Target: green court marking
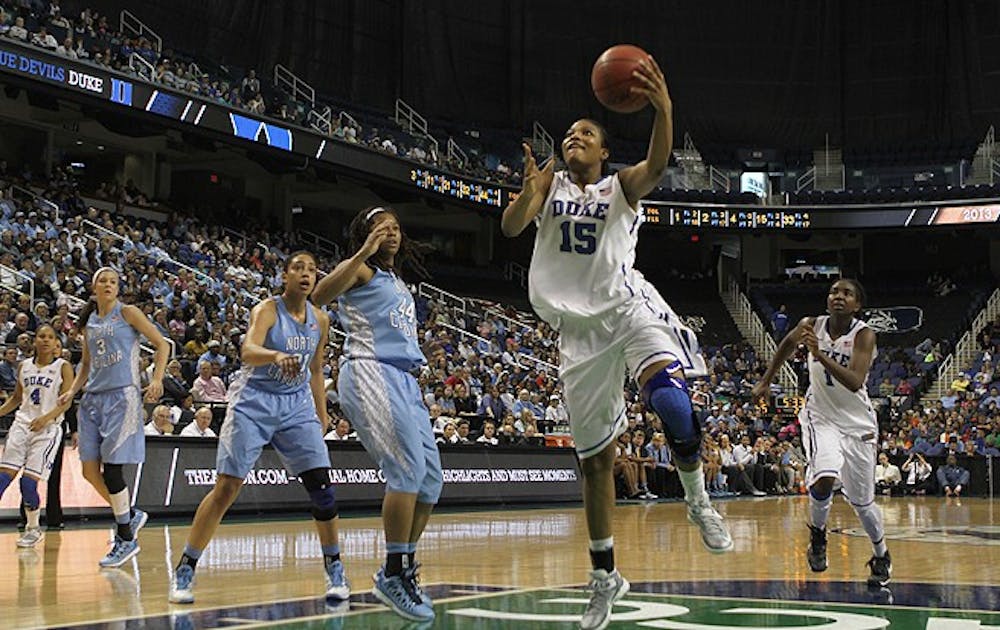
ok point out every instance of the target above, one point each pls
(541, 609)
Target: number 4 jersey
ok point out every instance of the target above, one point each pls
(40, 387)
(827, 399)
(381, 323)
(584, 251)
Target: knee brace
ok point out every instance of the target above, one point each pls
(668, 397)
(29, 493)
(114, 478)
(318, 484)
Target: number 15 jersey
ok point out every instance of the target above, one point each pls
(827, 399)
(584, 251)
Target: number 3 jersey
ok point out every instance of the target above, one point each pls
(584, 251)
(381, 323)
(827, 399)
(40, 387)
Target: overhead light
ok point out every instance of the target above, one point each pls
(100, 147)
(79, 142)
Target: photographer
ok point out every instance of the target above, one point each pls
(918, 474)
(952, 478)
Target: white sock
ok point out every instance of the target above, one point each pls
(694, 485)
(871, 519)
(121, 506)
(602, 544)
(32, 516)
(819, 510)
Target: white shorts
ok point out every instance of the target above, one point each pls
(594, 354)
(847, 456)
(33, 451)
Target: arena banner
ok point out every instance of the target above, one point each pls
(179, 472)
(894, 319)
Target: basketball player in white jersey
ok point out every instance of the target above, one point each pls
(581, 281)
(839, 426)
(33, 440)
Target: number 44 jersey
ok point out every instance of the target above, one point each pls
(584, 251)
(380, 320)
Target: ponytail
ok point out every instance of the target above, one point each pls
(85, 312)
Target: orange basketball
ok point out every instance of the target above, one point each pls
(612, 77)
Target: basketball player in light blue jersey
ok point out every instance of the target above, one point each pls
(110, 414)
(277, 398)
(839, 424)
(381, 398)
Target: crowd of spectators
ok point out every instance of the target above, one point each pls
(82, 34)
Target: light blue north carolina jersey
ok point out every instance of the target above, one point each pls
(290, 336)
(381, 323)
(114, 352)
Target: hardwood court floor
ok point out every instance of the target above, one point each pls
(933, 541)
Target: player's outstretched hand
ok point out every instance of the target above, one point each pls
(154, 391)
(655, 85)
(65, 398)
(533, 178)
(288, 364)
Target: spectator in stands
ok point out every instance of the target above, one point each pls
(341, 432)
(886, 388)
(449, 436)
(66, 49)
(887, 476)
(961, 383)
(488, 437)
(523, 403)
(736, 475)
(465, 405)
(208, 388)
(21, 321)
(212, 353)
(18, 31)
(531, 438)
(200, 427)
(8, 370)
(624, 469)
(952, 478)
(904, 388)
(44, 39)
(463, 432)
(175, 388)
(446, 400)
(918, 474)
(25, 346)
(949, 399)
(250, 86)
(779, 323)
(555, 413)
(160, 423)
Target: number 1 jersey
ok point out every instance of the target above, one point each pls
(827, 398)
(584, 251)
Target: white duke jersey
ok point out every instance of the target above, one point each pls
(40, 389)
(827, 398)
(584, 250)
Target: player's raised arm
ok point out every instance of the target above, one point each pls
(534, 188)
(639, 180)
(784, 352)
(349, 273)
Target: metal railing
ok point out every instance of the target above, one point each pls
(413, 123)
(142, 67)
(514, 271)
(542, 142)
(298, 88)
(322, 243)
(161, 256)
(753, 329)
(965, 350)
(806, 180)
(717, 179)
(16, 287)
(129, 23)
(431, 292)
(456, 153)
(27, 196)
(321, 120)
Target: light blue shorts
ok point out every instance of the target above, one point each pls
(385, 407)
(110, 425)
(256, 418)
